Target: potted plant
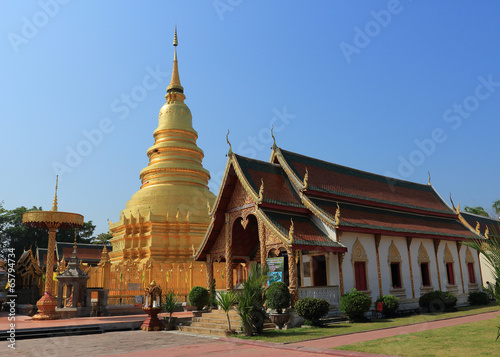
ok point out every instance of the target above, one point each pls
(198, 297)
(278, 298)
(169, 307)
(226, 300)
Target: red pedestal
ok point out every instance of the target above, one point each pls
(46, 308)
(152, 323)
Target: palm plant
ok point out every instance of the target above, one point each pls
(490, 249)
(251, 301)
(170, 304)
(226, 300)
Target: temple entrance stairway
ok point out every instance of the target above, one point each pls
(215, 323)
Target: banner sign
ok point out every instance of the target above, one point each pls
(275, 266)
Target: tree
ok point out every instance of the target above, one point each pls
(496, 207)
(477, 210)
(102, 238)
(14, 234)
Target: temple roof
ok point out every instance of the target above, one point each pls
(277, 188)
(359, 218)
(87, 253)
(306, 235)
(334, 181)
(322, 197)
(492, 224)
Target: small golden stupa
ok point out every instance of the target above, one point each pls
(168, 215)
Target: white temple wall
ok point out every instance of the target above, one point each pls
(333, 269)
(385, 267)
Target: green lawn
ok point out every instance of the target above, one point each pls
(308, 333)
(472, 339)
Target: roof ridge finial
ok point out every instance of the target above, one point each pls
(429, 183)
(230, 152)
(54, 204)
(175, 90)
(274, 139)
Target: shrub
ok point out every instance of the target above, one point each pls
(278, 296)
(478, 298)
(438, 301)
(355, 304)
(391, 304)
(199, 297)
(312, 309)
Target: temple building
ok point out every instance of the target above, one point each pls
(167, 218)
(488, 228)
(338, 228)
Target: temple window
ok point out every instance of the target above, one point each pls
(396, 275)
(469, 260)
(449, 262)
(424, 261)
(424, 272)
(359, 260)
(450, 274)
(319, 270)
(360, 274)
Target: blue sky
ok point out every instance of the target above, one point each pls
(392, 87)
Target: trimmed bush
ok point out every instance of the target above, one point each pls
(199, 297)
(278, 296)
(438, 301)
(391, 304)
(355, 304)
(312, 309)
(478, 298)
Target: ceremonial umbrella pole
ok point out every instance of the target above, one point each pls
(51, 220)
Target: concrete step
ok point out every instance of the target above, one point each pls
(218, 326)
(216, 320)
(202, 330)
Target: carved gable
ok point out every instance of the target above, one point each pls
(423, 257)
(448, 257)
(394, 256)
(358, 252)
(469, 258)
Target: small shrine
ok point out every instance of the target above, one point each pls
(73, 285)
(152, 305)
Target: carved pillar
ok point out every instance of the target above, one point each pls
(210, 272)
(229, 255)
(341, 274)
(105, 268)
(459, 245)
(408, 244)
(480, 270)
(49, 268)
(262, 241)
(378, 237)
(436, 247)
(293, 279)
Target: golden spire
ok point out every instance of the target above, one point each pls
(54, 204)
(175, 82)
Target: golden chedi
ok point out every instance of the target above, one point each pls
(168, 216)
